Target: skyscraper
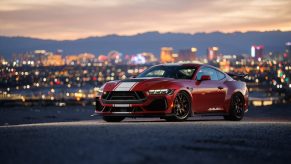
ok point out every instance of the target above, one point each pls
(257, 51)
(212, 53)
(187, 54)
(288, 51)
(167, 55)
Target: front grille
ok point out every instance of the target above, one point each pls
(123, 95)
(122, 109)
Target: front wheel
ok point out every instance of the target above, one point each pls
(236, 111)
(113, 118)
(181, 107)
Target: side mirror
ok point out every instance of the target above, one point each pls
(205, 77)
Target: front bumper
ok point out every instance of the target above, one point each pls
(152, 105)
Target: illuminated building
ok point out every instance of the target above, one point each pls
(71, 60)
(3, 61)
(53, 60)
(224, 65)
(102, 58)
(176, 57)
(167, 55)
(138, 59)
(212, 53)
(141, 58)
(86, 58)
(81, 59)
(288, 51)
(257, 51)
(114, 57)
(149, 57)
(40, 55)
(187, 54)
(30, 58)
(40, 51)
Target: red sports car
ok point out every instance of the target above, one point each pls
(174, 92)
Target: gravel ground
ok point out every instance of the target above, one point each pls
(70, 135)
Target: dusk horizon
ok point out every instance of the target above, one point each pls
(152, 41)
(66, 20)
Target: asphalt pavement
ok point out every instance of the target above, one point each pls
(70, 135)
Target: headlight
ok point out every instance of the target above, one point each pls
(100, 90)
(161, 91)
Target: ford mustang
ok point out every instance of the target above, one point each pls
(174, 92)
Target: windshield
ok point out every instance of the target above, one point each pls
(177, 72)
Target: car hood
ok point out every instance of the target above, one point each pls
(139, 84)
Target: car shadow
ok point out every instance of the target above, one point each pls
(137, 120)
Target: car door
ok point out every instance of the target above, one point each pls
(207, 94)
(222, 89)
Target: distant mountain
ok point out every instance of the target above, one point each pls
(229, 43)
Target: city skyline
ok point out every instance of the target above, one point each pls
(229, 43)
(63, 19)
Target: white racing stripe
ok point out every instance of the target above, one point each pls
(125, 86)
(116, 86)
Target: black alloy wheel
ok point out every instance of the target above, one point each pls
(181, 108)
(236, 112)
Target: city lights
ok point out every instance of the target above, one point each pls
(52, 76)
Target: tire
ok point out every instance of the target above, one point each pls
(113, 118)
(236, 111)
(181, 107)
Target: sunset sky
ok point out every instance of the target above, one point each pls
(67, 19)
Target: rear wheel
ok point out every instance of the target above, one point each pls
(181, 108)
(236, 112)
(113, 118)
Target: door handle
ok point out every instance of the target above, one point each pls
(220, 87)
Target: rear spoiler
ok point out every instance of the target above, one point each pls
(238, 75)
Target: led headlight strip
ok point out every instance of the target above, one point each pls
(161, 91)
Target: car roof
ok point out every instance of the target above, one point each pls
(198, 64)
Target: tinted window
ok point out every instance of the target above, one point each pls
(185, 73)
(220, 75)
(177, 72)
(156, 73)
(207, 71)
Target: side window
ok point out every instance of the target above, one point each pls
(156, 73)
(185, 73)
(220, 75)
(207, 71)
(200, 73)
(212, 73)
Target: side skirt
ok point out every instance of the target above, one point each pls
(210, 114)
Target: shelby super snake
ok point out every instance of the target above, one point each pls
(174, 92)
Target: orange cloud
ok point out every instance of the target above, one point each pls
(64, 19)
